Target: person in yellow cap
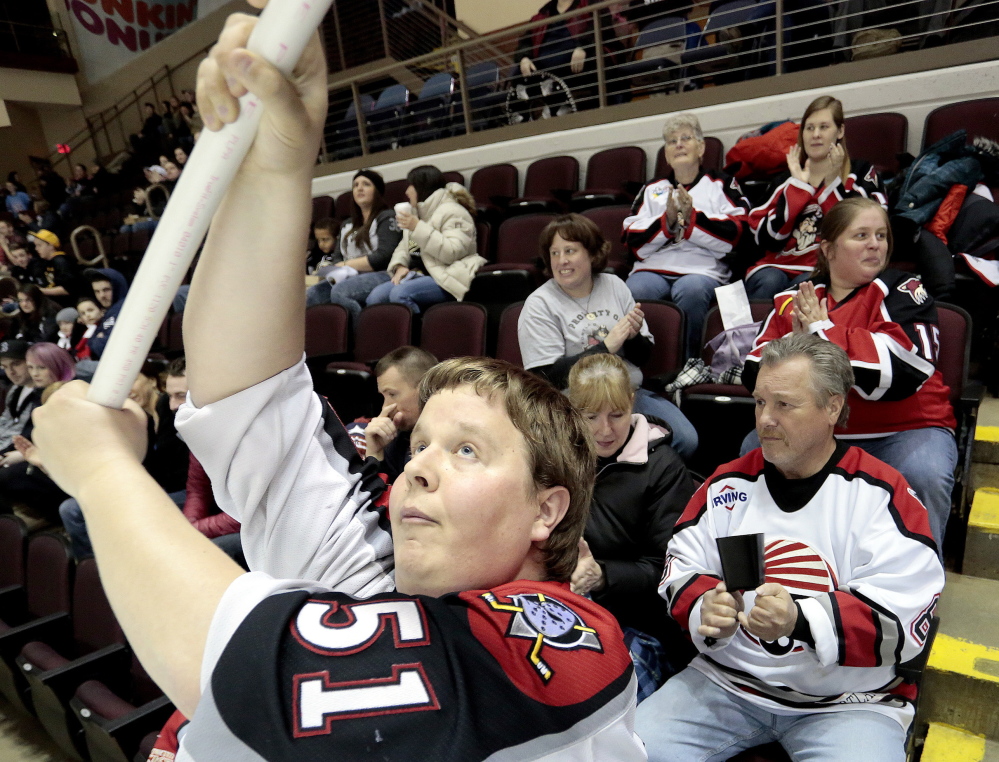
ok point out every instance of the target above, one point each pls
(56, 272)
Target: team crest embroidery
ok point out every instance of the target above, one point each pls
(547, 622)
(914, 288)
(871, 176)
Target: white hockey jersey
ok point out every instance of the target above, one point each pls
(853, 547)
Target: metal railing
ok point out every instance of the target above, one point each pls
(627, 58)
(108, 130)
(28, 39)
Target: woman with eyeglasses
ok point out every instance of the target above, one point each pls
(683, 227)
(820, 175)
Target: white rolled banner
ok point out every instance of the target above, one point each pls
(280, 36)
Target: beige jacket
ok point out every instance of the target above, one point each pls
(445, 237)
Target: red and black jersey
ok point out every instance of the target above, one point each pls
(889, 330)
(525, 671)
(786, 227)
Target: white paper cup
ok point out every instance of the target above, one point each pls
(403, 207)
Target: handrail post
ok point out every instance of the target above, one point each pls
(121, 127)
(156, 96)
(466, 101)
(779, 28)
(169, 78)
(384, 23)
(598, 52)
(362, 126)
(339, 37)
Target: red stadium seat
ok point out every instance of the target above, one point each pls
(667, 324)
(454, 177)
(507, 343)
(38, 610)
(395, 192)
(549, 185)
(613, 176)
(978, 117)
(342, 206)
(517, 242)
(325, 330)
(322, 207)
(493, 187)
(878, 138)
(454, 329)
(610, 220)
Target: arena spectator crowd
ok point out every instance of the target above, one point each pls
(534, 535)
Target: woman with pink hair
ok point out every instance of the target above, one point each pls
(48, 363)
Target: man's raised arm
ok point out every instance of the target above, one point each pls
(243, 321)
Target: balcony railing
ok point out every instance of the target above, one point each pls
(476, 84)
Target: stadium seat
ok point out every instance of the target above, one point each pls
(429, 116)
(395, 192)
(714, 158)
(350, 386)
(517, 244)
(325, 331)
(95, 650)
(718, 58)
(507, 343)
(342, 206)
(386, 119)
(13, 542)
(667, 324)
(493, 188)
(485, 96)
(346, 138)
(978, 117)
(657, 53)
(610, 220)
(37, 611)
(454, 177)
(322, 207)
(759, 308)
(879, 139)
(483, 239)
(115, 720)
(953, 362)
(613, 176)
(549, 185)
(454, 329)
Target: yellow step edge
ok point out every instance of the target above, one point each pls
(973, 660)
(945, 743)
(985, 510)
(987, 433)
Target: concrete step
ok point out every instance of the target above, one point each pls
(981, 544)
(945, 743)
(986, 446)
(961, 683)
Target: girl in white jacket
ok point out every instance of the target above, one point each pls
(435, 261)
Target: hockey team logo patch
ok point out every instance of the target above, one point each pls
(547, 622)
(914, 288)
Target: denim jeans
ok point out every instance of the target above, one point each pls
(149, 225)
(925, 457)
(684, 433)
(690, 719)
(416, 293)
(691, 293)
(767, 282)
(351, 294)
(72, 519)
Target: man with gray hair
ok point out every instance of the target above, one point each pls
(811, 657)
(683, 227)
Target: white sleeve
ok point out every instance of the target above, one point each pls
(282, 464)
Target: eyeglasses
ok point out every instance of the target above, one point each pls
(681, 139)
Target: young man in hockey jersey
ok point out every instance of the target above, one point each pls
(442, 629)
(808, 658)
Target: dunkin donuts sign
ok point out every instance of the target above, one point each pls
(111, 32)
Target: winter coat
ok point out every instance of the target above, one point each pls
(445, 240)
(637, 499)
